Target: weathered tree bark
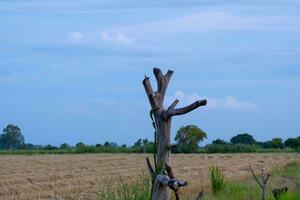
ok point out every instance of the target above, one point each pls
(263, 184)
(163, 177)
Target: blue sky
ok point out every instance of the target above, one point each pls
(71, 71)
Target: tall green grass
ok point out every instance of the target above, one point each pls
(249, 190)
(216, 179)
(291, 196)
(140, 189)
(121, 189)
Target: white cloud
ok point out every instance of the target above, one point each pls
(118, 38)
(75, 37)
(231, 103)
(228, 102)
(186, 99)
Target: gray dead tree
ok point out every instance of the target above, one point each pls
(263, 184)
(162, 176)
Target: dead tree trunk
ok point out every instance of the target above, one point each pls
(163, 178)
(263, 184)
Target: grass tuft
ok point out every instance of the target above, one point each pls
(216, 179)
(139, 189)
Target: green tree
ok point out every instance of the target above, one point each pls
(12, 138)
(65, 146)
(145, 142)
(110, 144)
(50, 147)
(107, 144)
(244, 138)
(277, 143)
(292, 142)
(219, 141)
(138, 143)
(193, 135)
(80, 145)
(99, 145)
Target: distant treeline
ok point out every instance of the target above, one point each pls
(12, 141)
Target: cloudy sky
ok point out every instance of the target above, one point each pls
(71, 71)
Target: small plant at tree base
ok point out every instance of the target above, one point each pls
(216, 179)
(279, 192)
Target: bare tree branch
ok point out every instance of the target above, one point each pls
(180, 140)
(268, 175)
(151, 171)
(167, 78)
(173, 105)
(255, 177)
(149, 92)
(169, 171)
(169, 75)
(264, 183)
(184, 110)
(159, 78)
(162, 82)
(171, 175)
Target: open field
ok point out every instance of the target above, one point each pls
(82, 176)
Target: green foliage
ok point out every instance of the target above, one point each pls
(237, 191)
(266, 144)
(277, 143)
(140, 189)
(230, 148)
(246, 189)
(38, 151)
(243, 139)
(80, 145)
(65, 146)
(291, 171)
(49, 147)
(291, 196)
(293, 143)
(99, 145)
(138, 143)
(219, 141)
(193, 135)
(102, 149)
(143, 146)
(11, 138)
(216, 179)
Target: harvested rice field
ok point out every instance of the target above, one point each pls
(81, 176)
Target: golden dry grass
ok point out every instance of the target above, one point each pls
(81, 176)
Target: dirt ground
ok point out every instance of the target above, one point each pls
(81, 176)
